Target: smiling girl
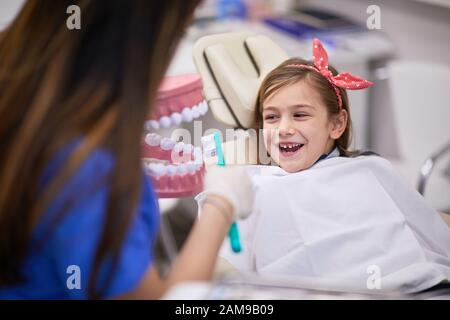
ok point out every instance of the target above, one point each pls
(325, 212)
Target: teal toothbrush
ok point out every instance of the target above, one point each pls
(212, 146)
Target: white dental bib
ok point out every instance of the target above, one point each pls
(347, 220)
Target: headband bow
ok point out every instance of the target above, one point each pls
(343, 80)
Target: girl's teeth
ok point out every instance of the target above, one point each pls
(186, 114)
(167, 144)
(176, 118)
(164, 122)
(152, 139)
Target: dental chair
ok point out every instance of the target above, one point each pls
(426, 171)
(420, 106)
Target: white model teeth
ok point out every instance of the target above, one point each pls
(165, 122)
(179, 146)
(157, 169)
(151, 125)
(167, 144)
(198, 155)
(171, 169)
(188, 148)
(195, 112)
(161, 169)
(176, 118)
(191, 167)
(152, 139)
(203, 108)
(182, 169)
(186, 114)
(198, 165)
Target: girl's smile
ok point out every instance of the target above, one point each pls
(288, 149)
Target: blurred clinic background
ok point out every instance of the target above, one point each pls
(401, 45)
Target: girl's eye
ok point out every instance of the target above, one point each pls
(300, 115)
(270, 117)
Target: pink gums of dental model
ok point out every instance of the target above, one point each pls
(175, 173)
(176, 93)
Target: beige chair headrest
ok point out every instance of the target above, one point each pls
(232, 66)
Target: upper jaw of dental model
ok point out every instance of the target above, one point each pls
(176, 169)
(179, 99)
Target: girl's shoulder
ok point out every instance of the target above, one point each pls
(361, 159)
(373, 161)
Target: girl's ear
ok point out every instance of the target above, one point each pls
(339, 123)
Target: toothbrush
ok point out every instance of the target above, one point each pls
(212, 146)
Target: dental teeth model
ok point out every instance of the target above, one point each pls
(176, 168)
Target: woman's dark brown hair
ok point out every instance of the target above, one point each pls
(286, 74)
(98, 84)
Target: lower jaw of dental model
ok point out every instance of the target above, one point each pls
(176, 168)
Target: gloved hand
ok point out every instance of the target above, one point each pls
(232, 183)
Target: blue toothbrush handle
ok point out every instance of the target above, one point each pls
(233, 234)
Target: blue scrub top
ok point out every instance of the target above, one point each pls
(60, 268)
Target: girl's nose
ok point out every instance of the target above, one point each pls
(286, 127)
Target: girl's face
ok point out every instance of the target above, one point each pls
(297, 128)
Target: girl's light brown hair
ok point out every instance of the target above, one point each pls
(96, 84)
(287, 73)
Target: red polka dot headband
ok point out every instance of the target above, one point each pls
(343, 80)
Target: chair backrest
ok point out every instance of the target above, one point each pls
(420, 94)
